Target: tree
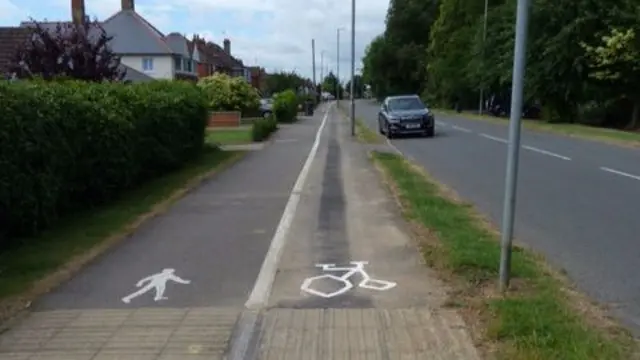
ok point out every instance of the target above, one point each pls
(615, 62)
(226, 93)
(330, 83)
(358, 86)
(78, 51)
(282, 81)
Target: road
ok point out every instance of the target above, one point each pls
(577, 199)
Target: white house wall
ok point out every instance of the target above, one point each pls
(162, 65)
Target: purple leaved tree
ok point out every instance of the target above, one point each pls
(74, 51)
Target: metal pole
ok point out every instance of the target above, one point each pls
(353, 67)
(338, 68)
(313, 60)
(519, 62)
(484, 40)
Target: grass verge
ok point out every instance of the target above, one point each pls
(224, 136)
(539, 318)
(52, 257)
(611, 136)
(363, 132)
(366, 135)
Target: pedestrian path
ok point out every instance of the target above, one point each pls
(174, 289)
(350, 283)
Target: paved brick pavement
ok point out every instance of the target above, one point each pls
(137, 334)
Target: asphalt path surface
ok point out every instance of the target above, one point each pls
(577, 199)
(215, 238)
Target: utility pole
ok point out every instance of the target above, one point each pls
(313, 65)
(321, 72)
(313, 59)
(519, 62)
(484, 41)
(353, 67)
(338, 67)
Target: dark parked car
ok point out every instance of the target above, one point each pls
(405, 114)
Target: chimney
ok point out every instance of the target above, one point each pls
(128, 5)
(77, 11)
(227, 46)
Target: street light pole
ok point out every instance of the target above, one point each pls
(353, 67)
(519, 62)
(484, 40)
(338, 65)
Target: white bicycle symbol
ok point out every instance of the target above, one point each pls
(358, 268)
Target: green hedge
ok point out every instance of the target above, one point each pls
(261, 129)
(66, 146)
(285, 106)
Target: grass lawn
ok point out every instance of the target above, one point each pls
(617, 137)
(539, 318)
(46, 260)
(227, 136)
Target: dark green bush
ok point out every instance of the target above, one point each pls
(285, 106)
(261, 129)
(67, 145)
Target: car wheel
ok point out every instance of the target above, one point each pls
(430, 132)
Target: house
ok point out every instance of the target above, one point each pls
(145, 48)
(145, 52)
(258, 78)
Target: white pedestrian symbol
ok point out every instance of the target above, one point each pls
(156, 281)
(357, 268)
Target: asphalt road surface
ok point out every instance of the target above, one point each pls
(216, 237)
(577, 199)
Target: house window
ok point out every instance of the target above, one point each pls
(177, 62)
(189, 66)
(147, 64)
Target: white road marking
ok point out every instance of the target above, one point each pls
(357, 267)
(504, 141)
(262, 287)
(531, 148)
(440, 123)
(157, 282)
(545, 152)
(621, 173)
(460, 129)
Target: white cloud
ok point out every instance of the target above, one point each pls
(9, 11)
(285, 43)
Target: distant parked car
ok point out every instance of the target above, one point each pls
(405, 114)
(266, 107)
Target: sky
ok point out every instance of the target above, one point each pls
(274, 34)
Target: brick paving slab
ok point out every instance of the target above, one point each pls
(137, 334)
(371, 334)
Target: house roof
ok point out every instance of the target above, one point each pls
(132, 34)
(11, 38)
(134, 75)
(178, 44)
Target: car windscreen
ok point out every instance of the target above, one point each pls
(409, 103)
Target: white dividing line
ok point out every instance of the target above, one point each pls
(504, 141)
(262, 287)
(440, 123)
(621, 173)
(460, 129)
(545, 152)
(531, 148)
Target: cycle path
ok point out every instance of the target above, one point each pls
(345, 214)
(214, 239)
